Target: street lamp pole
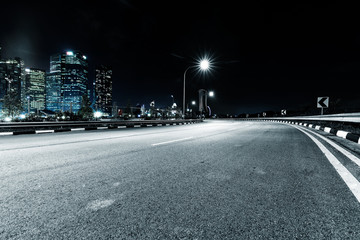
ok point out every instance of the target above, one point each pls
(183, 113)
(204, 65)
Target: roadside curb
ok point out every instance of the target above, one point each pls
(340, 133)
(22, 132)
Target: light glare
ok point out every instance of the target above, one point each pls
(97, 114)
(204, 64)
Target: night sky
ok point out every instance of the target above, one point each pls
(264, 55)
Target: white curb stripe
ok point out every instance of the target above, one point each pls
(44, 131)
(6, 133)
(77, 129)
(327, 129)
(342, 134)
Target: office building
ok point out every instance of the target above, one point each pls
(11, 78)
(67, 81)
(103, 90)
(35, 89)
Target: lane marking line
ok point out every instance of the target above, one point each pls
(352, 183)
(98, 204)
(349, 155)
(172, 141)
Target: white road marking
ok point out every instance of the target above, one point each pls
(352, 183)
(172, 141)
(98, 204)
(352, 157)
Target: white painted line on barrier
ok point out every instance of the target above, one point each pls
(341, 133)
(6, 133)
(352, 183)
(172, 141)
(327, 129)
(102, 128)
(317, 127)
(77, 129)
(44, 131)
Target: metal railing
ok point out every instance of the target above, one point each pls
(30, 127)
(342, 117)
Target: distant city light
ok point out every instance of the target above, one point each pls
(84, 57)
(69, 53)
(211, 94)
(22, 116)
(98, 114)
(27, 70)
(193, 102)
(7, 119)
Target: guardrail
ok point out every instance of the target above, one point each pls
(346, 125)
(38, 127)
(343, 117)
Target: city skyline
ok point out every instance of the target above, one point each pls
(266, 56)
(59, 88)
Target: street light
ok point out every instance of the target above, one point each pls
(204, 65)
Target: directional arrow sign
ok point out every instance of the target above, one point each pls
(283, 112)
(323, 102)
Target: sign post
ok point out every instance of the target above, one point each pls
(322, 102)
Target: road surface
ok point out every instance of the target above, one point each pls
(212, 180)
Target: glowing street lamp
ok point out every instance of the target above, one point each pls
(204, 65)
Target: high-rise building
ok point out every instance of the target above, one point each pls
(54, 101)
(11, 78)
(67, 81)
(35, 88)
(103, 89)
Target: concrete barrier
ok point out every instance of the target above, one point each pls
(47, 127)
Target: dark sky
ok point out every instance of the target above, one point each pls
(266, 55)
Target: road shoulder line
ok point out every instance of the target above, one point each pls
(352, 183)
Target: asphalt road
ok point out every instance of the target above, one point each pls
(213, 180)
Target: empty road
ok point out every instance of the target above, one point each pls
(212, 180)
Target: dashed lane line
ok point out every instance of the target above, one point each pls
(172, 141)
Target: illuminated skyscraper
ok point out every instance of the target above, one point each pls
(103, 89)
(35, 88)
(11, 77)
(67, 81)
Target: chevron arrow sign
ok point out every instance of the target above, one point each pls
(323, 102)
